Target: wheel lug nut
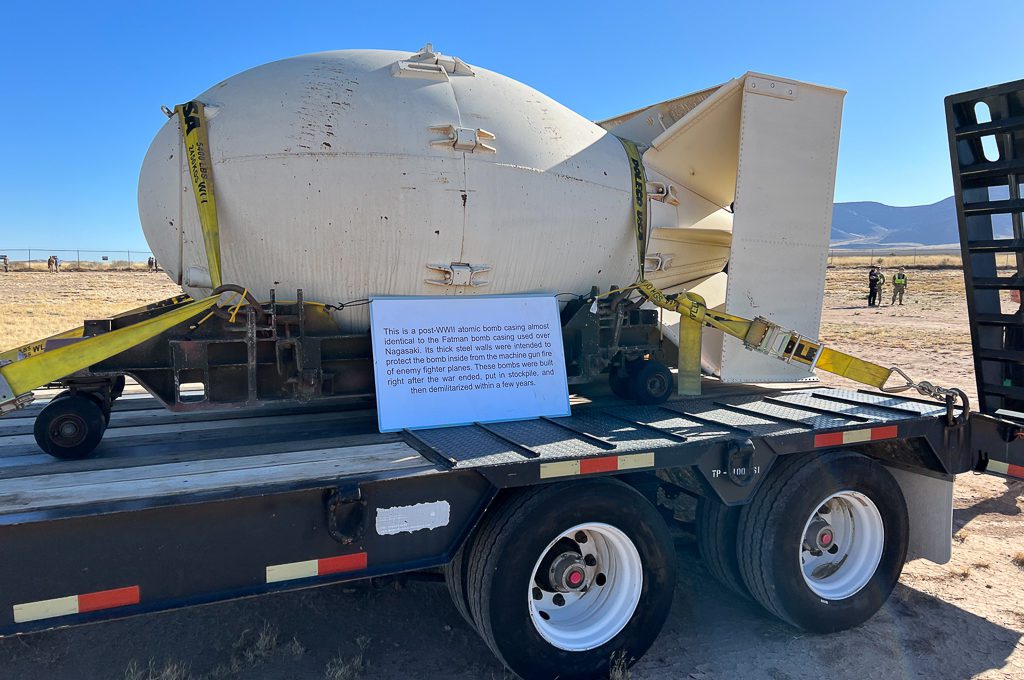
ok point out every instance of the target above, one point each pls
(558, 600)
(589, 560)
(580, 537)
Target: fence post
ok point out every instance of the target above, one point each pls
(29, 259)
(78, 258)
(129, 260)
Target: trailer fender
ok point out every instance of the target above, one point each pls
(930, 508)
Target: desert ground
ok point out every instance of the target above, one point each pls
(960, 620)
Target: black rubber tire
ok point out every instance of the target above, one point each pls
(717, 532)
(455, 577)
(84, 413)
(770, 531)
(512, 539)
(620, 385)
(651, 383)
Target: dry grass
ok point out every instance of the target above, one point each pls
(883, 259)
(170, 670)
(37, 305)
(252, 648)
(961, 573)
(348, 668)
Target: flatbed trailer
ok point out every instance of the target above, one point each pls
(809, 500)
(193, 507)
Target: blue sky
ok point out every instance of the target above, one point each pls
(82, 83)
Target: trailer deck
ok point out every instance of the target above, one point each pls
(152, 457)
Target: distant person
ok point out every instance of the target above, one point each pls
(899, 286)
(149, 263)
(875, 279)
(51, 264)
(56, 264)
(5, 262)
(156, 265)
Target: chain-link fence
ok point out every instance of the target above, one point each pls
(51, 259)
(933, 257)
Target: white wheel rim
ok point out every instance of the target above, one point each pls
(580, 619)
(841, 545)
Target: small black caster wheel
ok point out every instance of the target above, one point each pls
(70, 427)
(651, 382)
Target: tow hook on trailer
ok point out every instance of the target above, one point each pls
(740, 470)
(345, 510)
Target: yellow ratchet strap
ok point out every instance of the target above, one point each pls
(759, 335)
(39, 346)
(21, 377)
(192, 117)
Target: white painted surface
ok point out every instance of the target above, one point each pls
(410, 518)
(331, 176)
(507, 377)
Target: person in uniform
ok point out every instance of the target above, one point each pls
(875, 279)
(51, 264)
(899, 286)
(5, 262)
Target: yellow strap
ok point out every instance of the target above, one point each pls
(639, 191)
(39, 346)
(38, 370)
(200, 169)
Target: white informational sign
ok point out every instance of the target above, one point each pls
(441, 361)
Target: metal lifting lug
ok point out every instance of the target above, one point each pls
(458, 274)
(346, 509)
(463, 139)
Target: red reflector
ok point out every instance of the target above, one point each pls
(334, 565)
(887, 432)
(605, 464)
(829, 439)
(1015, 471)
(105, 599)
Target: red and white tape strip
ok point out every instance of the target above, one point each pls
(855, 436)
(1008, 469)
(76, 604)
(589, 466)
(321, 567)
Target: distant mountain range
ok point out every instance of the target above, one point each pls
(865, 224)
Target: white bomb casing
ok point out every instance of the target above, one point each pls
(359, 173)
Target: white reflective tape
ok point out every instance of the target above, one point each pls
(293, 570)
(45, 609)
(998, 467)
(636, 460)
(854, 436)
(561, 469)
(410, 518)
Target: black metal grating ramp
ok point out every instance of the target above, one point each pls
(986, 146)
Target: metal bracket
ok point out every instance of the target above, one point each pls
(463, 139)
(458, 274)
(345, 514)
(657, 262)
(8, 400)
(431, 65)
(666, 193)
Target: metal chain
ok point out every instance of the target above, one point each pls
(949, 395)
